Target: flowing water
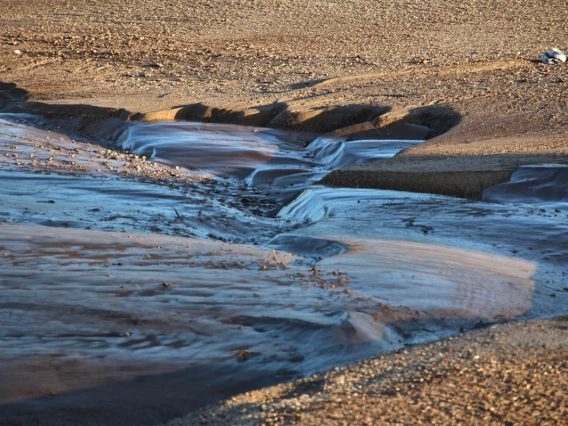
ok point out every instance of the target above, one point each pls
(245, 273)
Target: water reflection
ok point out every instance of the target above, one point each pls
(307, 277)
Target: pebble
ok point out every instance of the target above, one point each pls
(416, 386)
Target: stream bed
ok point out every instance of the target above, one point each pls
(153, 296)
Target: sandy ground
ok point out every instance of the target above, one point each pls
(473, 67)
(469, 71)
(510, 374)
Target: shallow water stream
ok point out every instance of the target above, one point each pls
(245, 274)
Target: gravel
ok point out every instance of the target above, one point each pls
(508, 374)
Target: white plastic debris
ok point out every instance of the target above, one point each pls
(18, 52)
(553, 57)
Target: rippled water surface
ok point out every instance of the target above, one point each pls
(247, 274)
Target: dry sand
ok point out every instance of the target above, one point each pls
(316, 66)
(469, 71)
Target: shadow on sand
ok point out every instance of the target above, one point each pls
(355, 121)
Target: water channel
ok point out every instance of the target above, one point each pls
(242, 271)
